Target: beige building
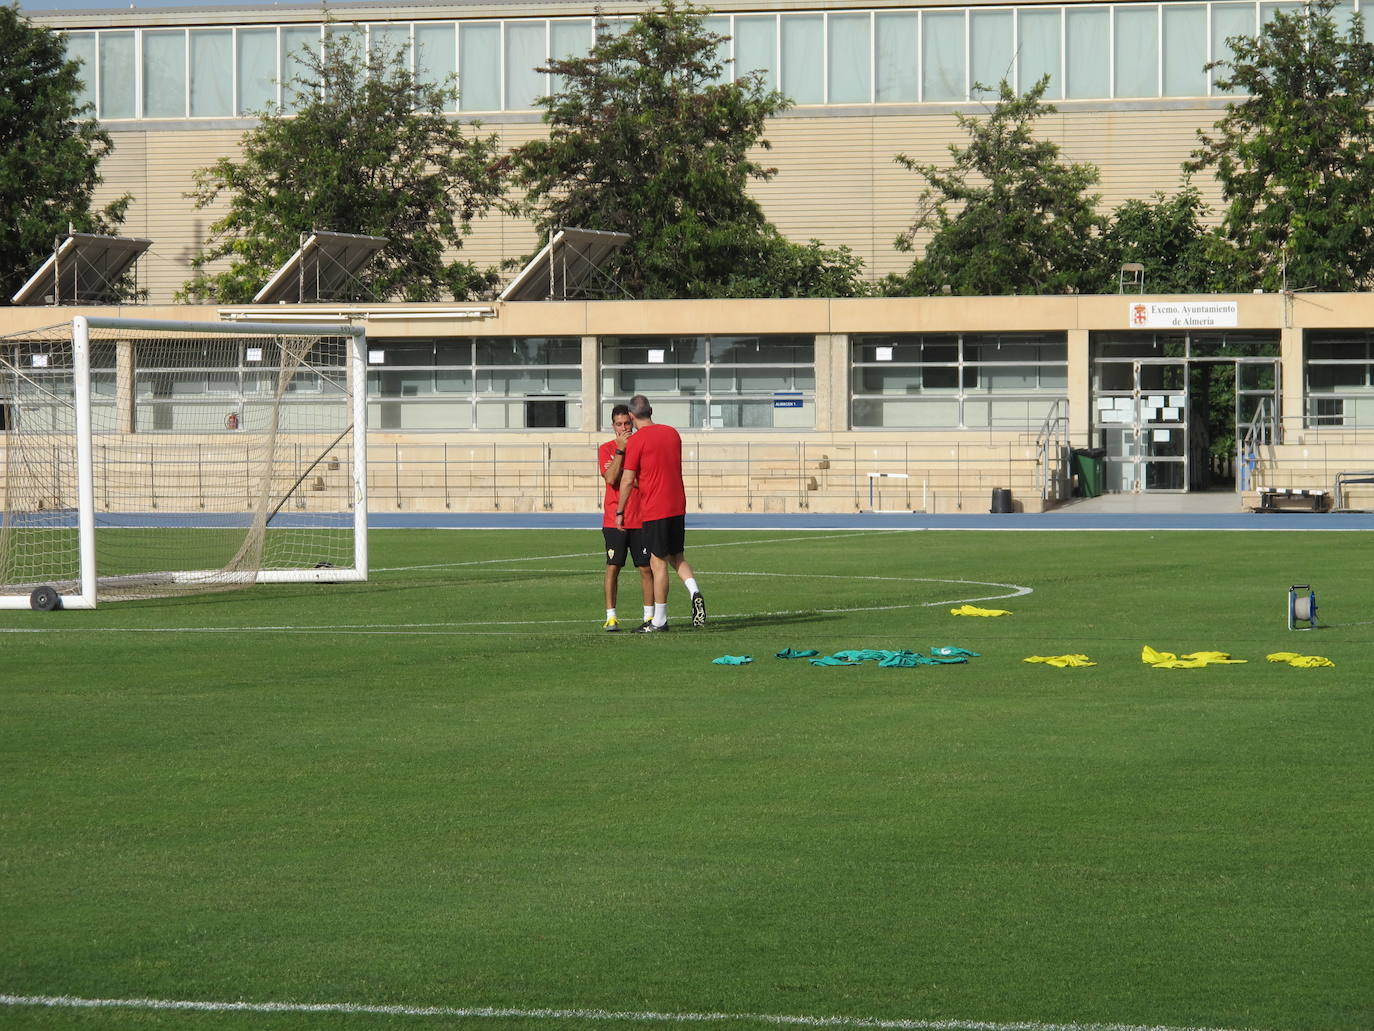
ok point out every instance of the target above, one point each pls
(926, 404)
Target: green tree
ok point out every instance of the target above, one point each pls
(646, 138)
(1170, 237)
(367, 149)
(1008, 217)
(49, 153)
(1295, 157)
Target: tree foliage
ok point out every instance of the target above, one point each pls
(1295, 157)
(367, 150)
(49, 153)
(1008, 216)
(646, 138)
(1171, 238)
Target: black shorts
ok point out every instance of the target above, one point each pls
(665, 537)
(620, 543)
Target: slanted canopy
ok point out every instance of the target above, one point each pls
(82, 270)
(322, 265)
(563, 269)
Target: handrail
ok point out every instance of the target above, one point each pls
(1053, 480)
(1259, 436)
(1343, 479)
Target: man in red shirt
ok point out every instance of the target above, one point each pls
(653, 473)
(624, 539)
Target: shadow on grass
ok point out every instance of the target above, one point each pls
(771, 619)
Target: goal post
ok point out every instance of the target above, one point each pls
(149, 458)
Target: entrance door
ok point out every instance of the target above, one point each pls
(1141, 416)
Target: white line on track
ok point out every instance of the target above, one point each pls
(626, 1016)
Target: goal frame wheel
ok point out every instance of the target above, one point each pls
(45, 599)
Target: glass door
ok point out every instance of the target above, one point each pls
(1161, 424)
(1140, 414)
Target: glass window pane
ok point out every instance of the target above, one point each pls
(609, 28)
(1039, 51)
(1137, 51)
(880, 379)
(651, 351)
(297, 42)
(849, 47)
(763, 350)
(719, 25)
(895, 51)
(116, 75)
(212, 73)
(436, 59)
(525, 51)
(802, 43)
(1088, 33)
(390, 40)
(1229, 20)
(942, 56)
(1345, 15)
(905, 414)
(479, 66)
(352, 35)
(164, 74)
(568, 39)
(756, 48)
(1185, 50)
(257, 64)
(1267, 11)
(990, 47)
(529, 351)
(81, 47)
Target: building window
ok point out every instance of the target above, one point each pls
(490, 383)
(998, 381)
(718, 382)
(934, 55)
(1339, 369)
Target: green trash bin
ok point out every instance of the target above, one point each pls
(1089, 465)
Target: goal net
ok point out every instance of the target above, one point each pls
(152, 459)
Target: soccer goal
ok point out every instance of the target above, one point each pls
(154, 459)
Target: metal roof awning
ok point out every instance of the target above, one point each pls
(83, 269)
(563, 269)
(322, 266)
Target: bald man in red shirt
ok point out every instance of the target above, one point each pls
(653, 467)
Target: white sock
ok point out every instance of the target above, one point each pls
(610, 613)
(691, 584)
(648, 613)
(660, 613)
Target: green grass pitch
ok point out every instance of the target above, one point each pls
(448, 788)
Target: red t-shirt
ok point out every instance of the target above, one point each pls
(605, 455)
(655, 454)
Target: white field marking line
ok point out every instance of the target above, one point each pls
(452, 629)
(405, 629)
(596, 554)
(71, 1002)
(1015, 590)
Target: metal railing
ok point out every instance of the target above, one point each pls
(745, 476)
(1053, 455)
(846, 474)
(1255, 451)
